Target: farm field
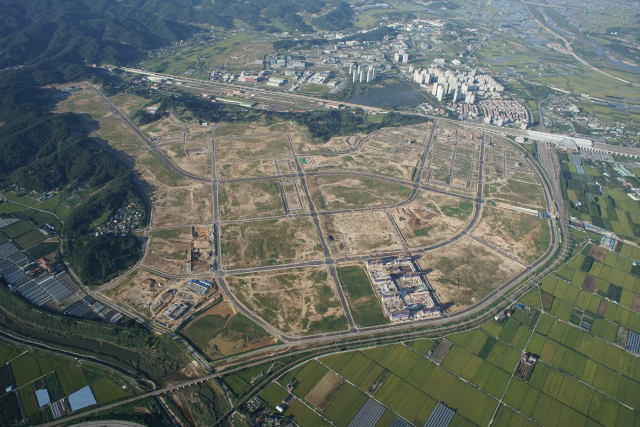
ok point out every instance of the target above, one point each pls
(32, 371)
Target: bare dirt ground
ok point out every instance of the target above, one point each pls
(602, 308)
(465, 271)
(118, 136)
(191, 157)
(128, 103)
(300, 301)
(589, 283)
(431, 218)
(226, 129)
(246, 169)
(138, 291)
(160, 127)
(269, 242)
(335, 192)
(170, 251)
(252, 147)
(515, 192)
(324, 391)
(597, 253)
(334, 145)
(295, 196)
(522, 235)
(635, 306)
(251, 199)
(176, 201)
(359, 233)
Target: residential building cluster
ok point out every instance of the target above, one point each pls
(122, 222)
(456, 85)
(402, 290)
(362, 74)
(500, 112)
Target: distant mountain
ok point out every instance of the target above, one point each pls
(111, 31)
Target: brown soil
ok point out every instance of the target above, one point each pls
(589, 283)
(602, 307)
(294, 301)
(246, 169)
(359, 233)
(513, 232)
(135, 291)
(424, 221)
(324, 391)
(249, 200)
(191, 157)
(269, 242)
(635, 306)
(465, 271)
(597, 253)
(247, 147)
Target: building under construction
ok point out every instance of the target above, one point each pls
(402, 290)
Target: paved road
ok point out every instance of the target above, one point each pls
(108, 423)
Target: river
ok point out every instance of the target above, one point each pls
(598, 49)
(396, 95)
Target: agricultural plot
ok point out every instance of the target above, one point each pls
(299, 301)
(336, 192)
(251, 199)
(269, 242)
(465, 271)
(220, 332)
(359, 233)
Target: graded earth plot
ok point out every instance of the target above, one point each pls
(335, 145)
(516, 192)
(252, 147)
(251, 199)
(523, 235)
(137, 291)
(298, 302)
(167, 301)
(269, 242)
(180, 251)
(86, 101)
(356, 233)
(221, 332)
(431, 218)
(128, 103)
(466, 271)
(338, 192)
(295, 198)
(164, 130)
(235, 129)
(191, 157)
(176, 201)
(117, 135)
(246, 169)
